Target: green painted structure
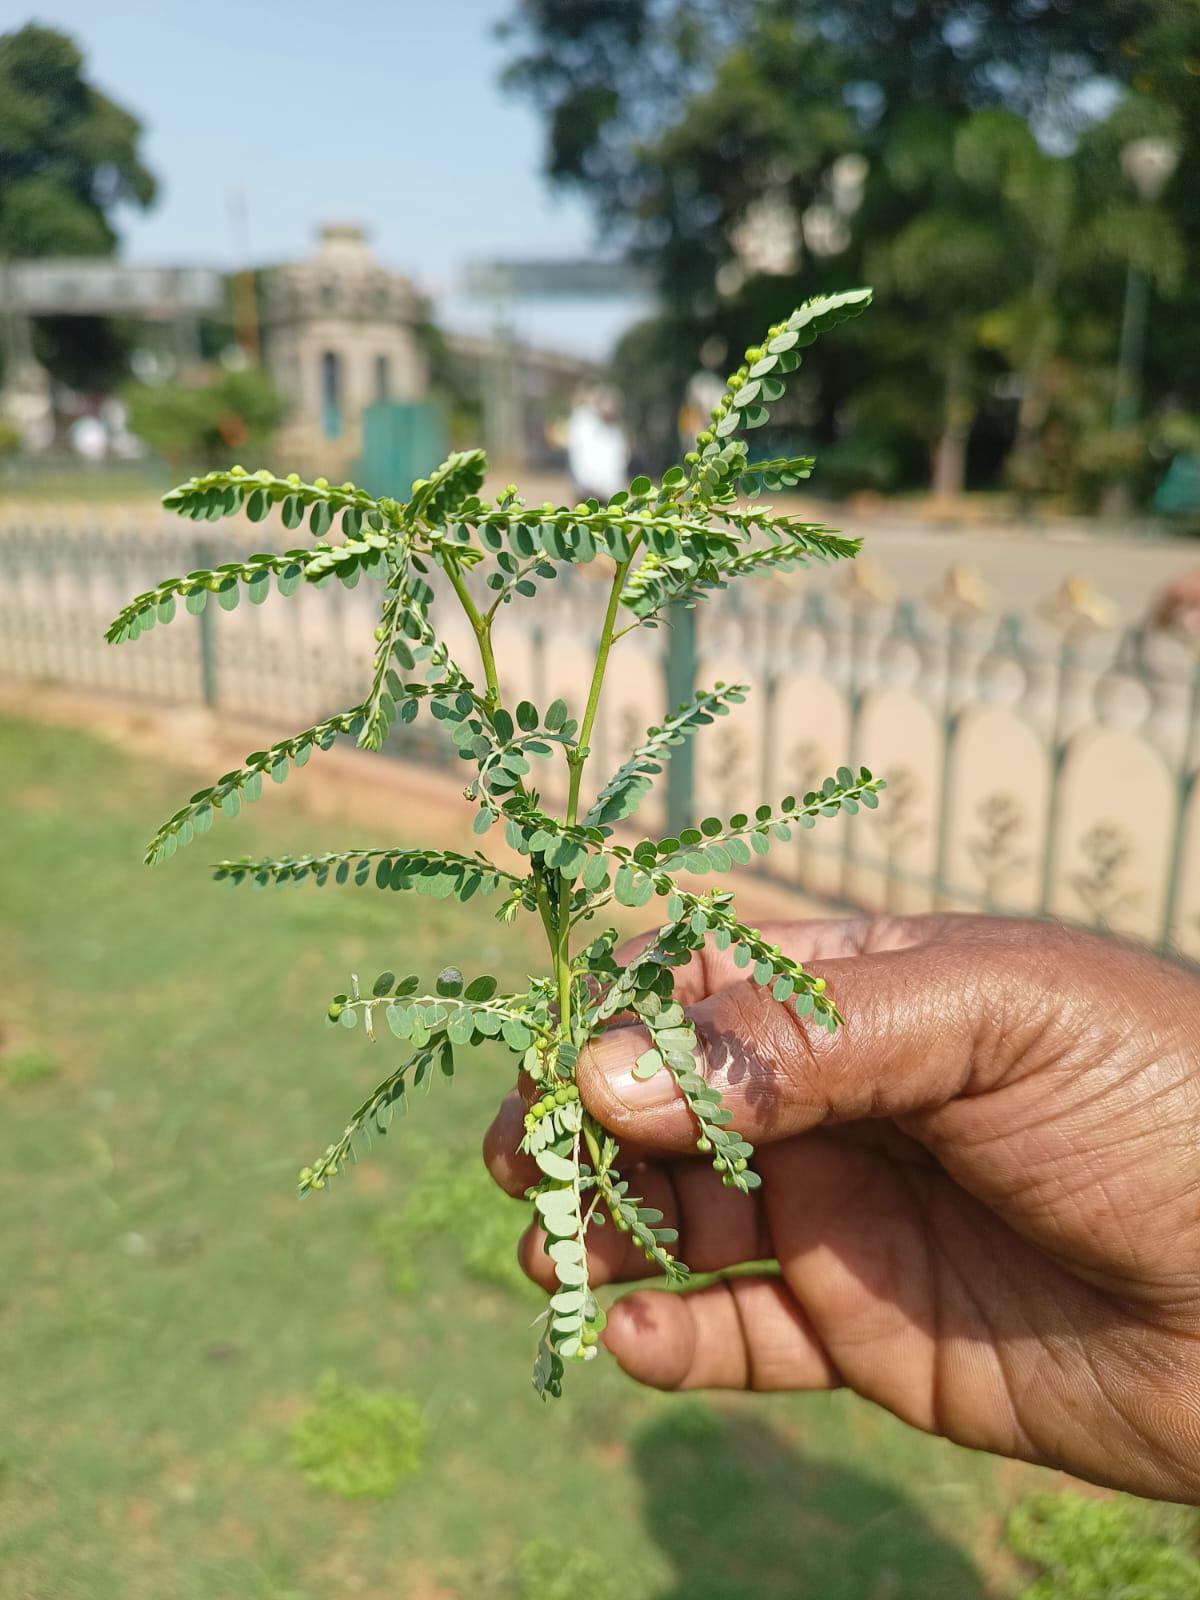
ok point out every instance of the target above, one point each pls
(402, 440)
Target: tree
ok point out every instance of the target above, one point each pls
(199, 424)
(69, 159)
(967, 119)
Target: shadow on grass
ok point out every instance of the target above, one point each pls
(738, 1512)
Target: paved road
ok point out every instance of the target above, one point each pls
(1021, 568)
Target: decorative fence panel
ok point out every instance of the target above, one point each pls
(1042, 764)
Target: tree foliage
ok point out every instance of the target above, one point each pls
(664, 543)
(200, 423)
(69, 159)
(965, 157)
(68, 154)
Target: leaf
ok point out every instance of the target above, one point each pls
(647, 1064)
(556, 715)
(480, 989)
(515, 1034)
(632, 888)
(556, 1166)
(621, 795)
(570, 1272)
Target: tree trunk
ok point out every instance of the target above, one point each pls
(1031, 414)
(950, 452)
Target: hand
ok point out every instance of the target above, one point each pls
(983, 1193)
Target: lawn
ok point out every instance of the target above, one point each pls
(169, 1311)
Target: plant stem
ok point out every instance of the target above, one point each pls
(576, 761)
(555, 920)
(481, 627)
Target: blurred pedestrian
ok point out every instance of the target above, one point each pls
(597, 450)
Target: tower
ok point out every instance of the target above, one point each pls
(340, 333)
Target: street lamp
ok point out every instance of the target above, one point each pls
(1148, 164)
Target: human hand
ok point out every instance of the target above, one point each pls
(982, 1193)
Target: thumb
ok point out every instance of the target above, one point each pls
(915, 1018)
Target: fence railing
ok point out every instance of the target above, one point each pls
(1046, 763)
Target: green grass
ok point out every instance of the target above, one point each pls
(29, 483)
(168, 1308)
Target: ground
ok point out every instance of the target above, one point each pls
(169, 1310)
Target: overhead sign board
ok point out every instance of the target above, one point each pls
(557, 279)
(64, 287)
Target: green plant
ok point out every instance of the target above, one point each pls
(358, 1442)
(550, 1570)
(460, 1205)
(21, 1068)
(1106, 1549)
(668, 544)
(200, 423)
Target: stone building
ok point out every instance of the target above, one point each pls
(339, 332)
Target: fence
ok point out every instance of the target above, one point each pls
(1044, 763)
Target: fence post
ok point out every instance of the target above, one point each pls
(679, 666)
(209, 682)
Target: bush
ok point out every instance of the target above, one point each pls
(358, 1442)
(547, 1570)
(202, 424)
(460, 1203)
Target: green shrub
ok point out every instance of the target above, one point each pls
(547, 1570)
(460, 1203)
(358, 1442)
(202, 423)
(23, 1068)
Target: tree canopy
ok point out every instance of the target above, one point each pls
(69, 158)
(963, 155)
(68, 154)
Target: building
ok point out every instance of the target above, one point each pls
(524, 395)
(339, 333)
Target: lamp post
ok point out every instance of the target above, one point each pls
(1148, 164)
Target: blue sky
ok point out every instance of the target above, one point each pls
(387, 112)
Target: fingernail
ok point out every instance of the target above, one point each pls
(615, 1055)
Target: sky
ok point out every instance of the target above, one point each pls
(384, 112)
